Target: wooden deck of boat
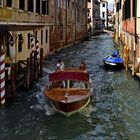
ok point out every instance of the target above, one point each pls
(74, 95)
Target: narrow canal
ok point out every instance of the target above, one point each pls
(113, 114)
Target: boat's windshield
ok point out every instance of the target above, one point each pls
(69, 84)
(77, 84)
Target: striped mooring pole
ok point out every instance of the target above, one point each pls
(2, 76)
(37, 49)
(32, 46)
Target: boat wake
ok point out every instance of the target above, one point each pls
(87, 110)
(46, 70)
(42, 105)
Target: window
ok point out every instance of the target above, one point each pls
(38, 6)
(45, 7)
(118, 5)
(1, 3)
(30, 5)
(9, 3)
(41, 37)
(103, 14)
(29, 40)
(65, 4)
(103, 5)
(46, 36)
(68, 4)
(134, 8)
(127, 9)
(58, 3)
(21, 4)
(20, 42)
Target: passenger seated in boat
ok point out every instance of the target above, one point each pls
(78, 84)
(115, 54)
(60, 65)
(82, 65)
(58, 84)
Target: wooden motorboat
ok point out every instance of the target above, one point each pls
(69, 91)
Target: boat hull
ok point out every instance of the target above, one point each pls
(113, 62)
(70, 108)
(113, 65)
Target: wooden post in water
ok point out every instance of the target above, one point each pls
(41, 61)
(28, 75)
(35, 67)
(13, 81)
(31, 69)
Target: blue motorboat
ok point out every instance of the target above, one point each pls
(113, 60)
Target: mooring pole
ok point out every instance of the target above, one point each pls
(2, 76)
(41, 61)
(13, 81)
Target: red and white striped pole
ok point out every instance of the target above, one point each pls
(32, 47)
(37, 49)
(2, 76)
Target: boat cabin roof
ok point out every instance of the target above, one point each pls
(69, 75)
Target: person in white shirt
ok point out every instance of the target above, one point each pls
(60, 65)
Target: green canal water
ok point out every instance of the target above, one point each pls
(113, 113)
